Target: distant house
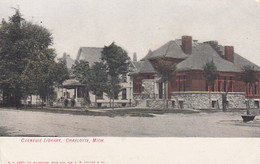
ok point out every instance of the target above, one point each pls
(73, 89)
(188, 88)
(124, 98)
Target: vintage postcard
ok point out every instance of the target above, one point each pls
(110, 81)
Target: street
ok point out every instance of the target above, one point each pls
(218, 124)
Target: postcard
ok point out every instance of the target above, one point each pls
(109, 81)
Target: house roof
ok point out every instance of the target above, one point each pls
(145, 67)
(170, 49)
(203, 53)
(90, 54)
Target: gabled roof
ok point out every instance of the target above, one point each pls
(203, 53)
(90, 54)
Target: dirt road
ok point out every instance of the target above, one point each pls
(219, 124)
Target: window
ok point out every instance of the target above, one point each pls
(160, 90)
(124, 94)
(214, 104)
(123, 104)
(225, 84)
(116, 96)
(99, 105)
(256, 103)
(181, 83)
(148, 77)
(219, 86)
(173, 104)
(124, 78)
(181, 104)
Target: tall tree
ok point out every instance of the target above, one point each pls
(81, 71)
(248, 75)
(26, 60)
(97, 79)
(61, 72)
(210, 74)
(166, 70)
(117, 62)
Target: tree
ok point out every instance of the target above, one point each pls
(210, 74)
(81, 71)
(61, 72)
(248, 75)
(97, 79)
(117, 62)
(166, 70)
(27, 62)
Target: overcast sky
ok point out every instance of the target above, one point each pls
(140, 25)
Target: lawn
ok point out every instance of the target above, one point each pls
(134, 112)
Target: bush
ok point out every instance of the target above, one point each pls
(66, 102)
(73, 102)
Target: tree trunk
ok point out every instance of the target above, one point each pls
(164, 95)
(209, 99)
(96, 101)
(247, 101)
(113, 103)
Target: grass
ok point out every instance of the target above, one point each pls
(110, 113)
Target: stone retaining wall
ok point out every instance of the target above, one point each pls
(213, 100)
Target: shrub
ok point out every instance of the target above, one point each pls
(73, 102)
(66, 102)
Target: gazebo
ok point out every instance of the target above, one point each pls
(77, 87)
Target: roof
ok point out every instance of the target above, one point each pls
(69, 61)
(90, 54)
(170, 49)
(203, 53)
(71, 83)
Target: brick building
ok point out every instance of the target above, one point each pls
(188, 88)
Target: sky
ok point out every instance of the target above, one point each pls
(140, 25)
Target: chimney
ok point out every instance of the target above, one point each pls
(186, 44)
(229, 53)
(134, 57)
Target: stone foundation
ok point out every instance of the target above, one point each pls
(213, 100)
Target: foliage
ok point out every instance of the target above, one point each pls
(166, 70)
(211, 72)
(66, 102)
(73, 102)
(94, 77)
(113, 90)
(61, 72)
(117, 63)
(27, 63)
(248, 75)
(116, 60)
(81, 71)
(97, 78)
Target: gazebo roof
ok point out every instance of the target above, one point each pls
(71, 83)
